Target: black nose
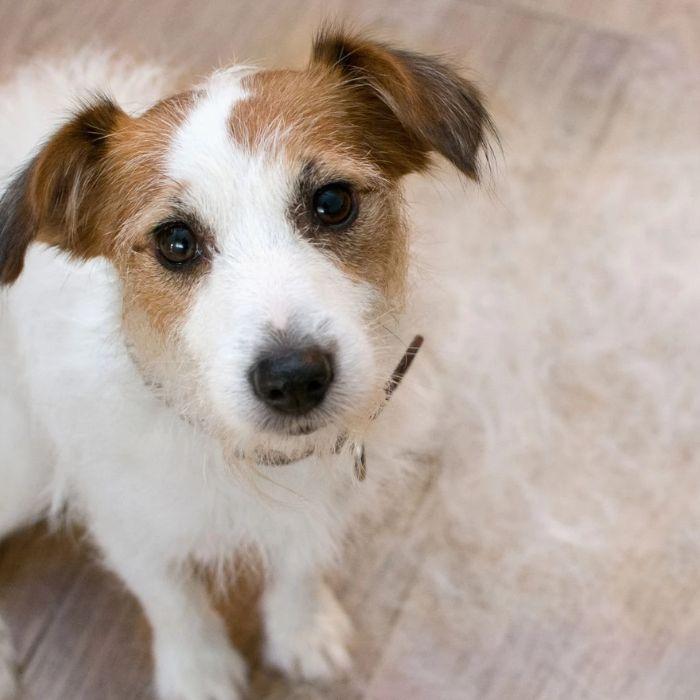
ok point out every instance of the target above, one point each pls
(293, 381)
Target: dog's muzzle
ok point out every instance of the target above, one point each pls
(302, 375)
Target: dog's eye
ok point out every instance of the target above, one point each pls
(177, 244)
(335, 205)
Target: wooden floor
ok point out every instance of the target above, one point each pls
(559, 73)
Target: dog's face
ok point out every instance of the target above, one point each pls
(256, 224)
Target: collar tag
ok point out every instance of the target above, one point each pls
(358, 454)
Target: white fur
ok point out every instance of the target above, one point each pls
(79, 429)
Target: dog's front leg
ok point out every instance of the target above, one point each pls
(307, 631)
(194, 659)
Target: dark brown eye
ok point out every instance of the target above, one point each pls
(335, 205)
(177, 244)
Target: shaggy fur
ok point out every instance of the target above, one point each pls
(125, 399)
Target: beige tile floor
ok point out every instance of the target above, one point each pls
(576, 87)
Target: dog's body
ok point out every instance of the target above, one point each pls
(130, 385)
(156, 492)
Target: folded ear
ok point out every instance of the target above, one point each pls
(55, 198)
(438, 110)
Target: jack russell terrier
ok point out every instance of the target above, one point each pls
(198, 319)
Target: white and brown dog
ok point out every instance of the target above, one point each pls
(196, 326)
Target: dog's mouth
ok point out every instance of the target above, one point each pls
(286, 427)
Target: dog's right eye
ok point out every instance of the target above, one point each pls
(177, 245)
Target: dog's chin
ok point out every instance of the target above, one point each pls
(263, 431)
(270, 424)
(291, 441)
(279, 425)
(298, 430)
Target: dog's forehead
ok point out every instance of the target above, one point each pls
(243, 123)
(203, 142)
(222, 179)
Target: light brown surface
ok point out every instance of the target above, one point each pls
(573, 84)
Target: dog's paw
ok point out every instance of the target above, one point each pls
(314, 648)
(8, 679)
(202, 672)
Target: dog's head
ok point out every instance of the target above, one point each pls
(256, 224)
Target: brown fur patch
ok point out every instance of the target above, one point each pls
(142, 198)
(316, 113)
(52, 199)
(437, 108)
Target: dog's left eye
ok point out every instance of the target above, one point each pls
(177, 244)
(335, 205)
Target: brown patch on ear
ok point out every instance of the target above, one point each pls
(436, 108)
(56, 198)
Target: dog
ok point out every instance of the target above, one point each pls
(198, 319)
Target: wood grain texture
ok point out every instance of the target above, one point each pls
(598, 104)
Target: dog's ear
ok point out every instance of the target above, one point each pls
(55, 198)
(436, 108)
